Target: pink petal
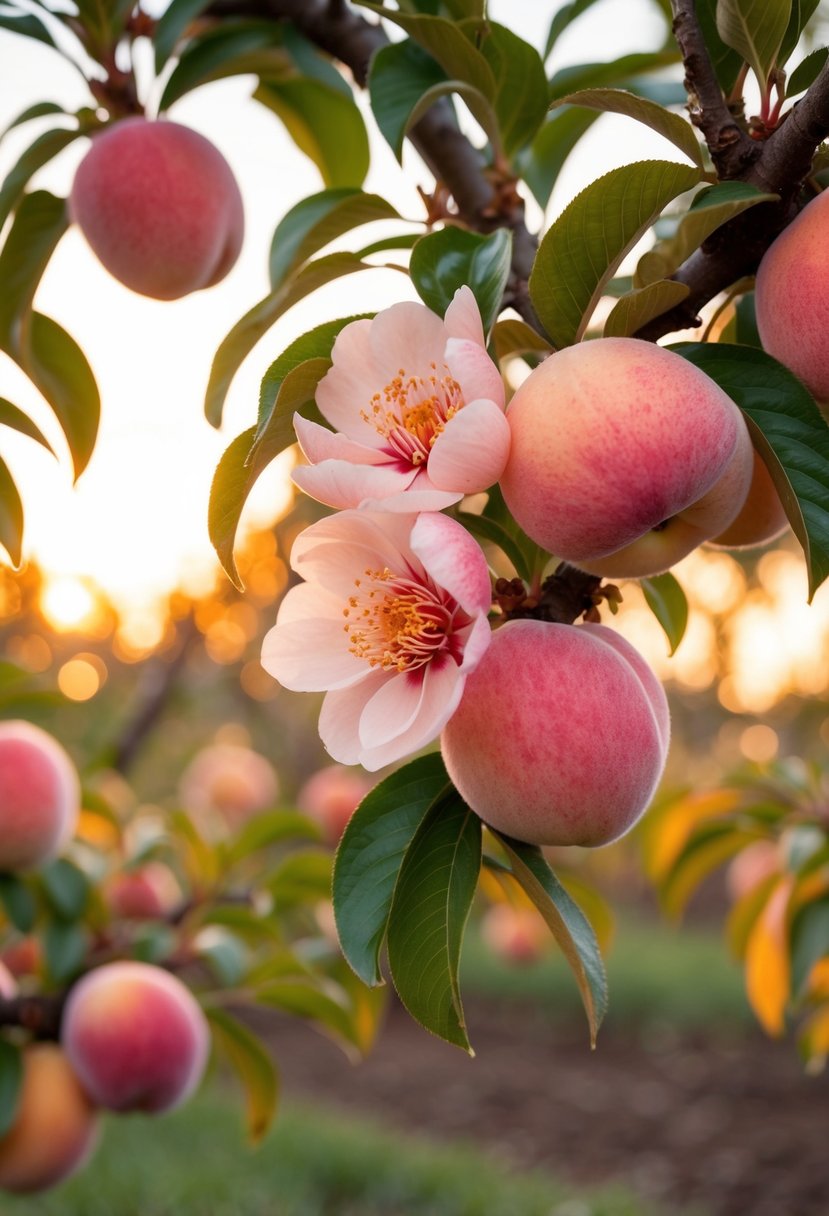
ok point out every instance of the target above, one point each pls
(340, 717)
(318, 443)
(463, 318)
(441, 694)
(471, 452)
(454, 560)
(311, 656)
(309, 602)
(340, 484)
(407, 336)
(476, 644)
(392, 709)
(347, 388)
(413, 501)
(474, 371)
(349, 541)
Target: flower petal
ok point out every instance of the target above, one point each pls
(476, 644)
(470, 454)
(307, 602)
(392, 709)
(408, 336)
(474, 371)
(454, 559)
(340, 717)
(344, 390)
(318, 443)
(440, 697)
(412, 500)
(311, 656)
(463, 317)
(341, 484)
(339, 546)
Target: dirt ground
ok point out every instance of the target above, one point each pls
(733, 1127)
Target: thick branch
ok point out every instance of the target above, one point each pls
(39, 1014)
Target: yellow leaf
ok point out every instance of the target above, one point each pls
(671, 832)
(768, 968)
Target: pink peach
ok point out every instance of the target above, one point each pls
(516, 935)
(331, 796)
(231, 781)
(144, 894)
(762, 517)
(624, 457)
(561, 735)
(55, 1128)
(136, 1037)
(39, 796)
(159, 206)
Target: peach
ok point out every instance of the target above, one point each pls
(752, 865)
(624, 457)
(39, 796)
(791, 298)
(762, 517)
(55, 1129)
(144, 894)
(561, 735)
(22, 956)
(331, 796)
(136, 1037)
(159, 206)
(231, 781)
(516, 935)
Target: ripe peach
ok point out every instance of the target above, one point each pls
(624, 457)
(516, 935)
(561, 734)
(231, 781)
(136, 1037)
(331, 796)
(159, 206)
(792, 301)
(144, 894)
(23, 956)
(56, 1126)
(761, 518)
(39, 796)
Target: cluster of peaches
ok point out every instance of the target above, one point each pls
(128, 1036)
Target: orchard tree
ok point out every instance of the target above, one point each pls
(454, 580)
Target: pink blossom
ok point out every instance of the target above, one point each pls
(418, 410)
(391, 620)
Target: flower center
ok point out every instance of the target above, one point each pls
(411, 411)
(395, 623)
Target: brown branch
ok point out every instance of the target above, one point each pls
(39, 1014)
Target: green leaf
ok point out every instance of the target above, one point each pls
(224, 954)
(229, 490)
(11, 517)
(256, 323)
(370, 854)
(11, 1079)
(315, 345)
(172, 25)
(619, 101)
(18, 902)
(520, 85)
(316, 221)
(45, 148)
(429, 912)
(594, 75)
(451, 258)
(447, 44)
(27, 24)
(635, 309)
(585, 245)
(39, 224)
(252, 1064)
(486, 529)
(541, 163)
(710, 846)
(810, 942)
(319, 1000)
(807, 72)
(710, 209)
(789, 432)
(667, 602)
(67, 888)
(565, 15)
(533, 557)
(724, 60)
(399, 76)
(324, 124)
(755, 29)
(231, 49)
(267, 829)
(11, 416)
(302, 878)
(64, 947)
(802, 11)
(746, 332)
(569, 926)
(514, 337)
(39, 110)
(60, 369)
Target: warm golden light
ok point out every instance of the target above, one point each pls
(759, 743)
(68, 604)
(80, 678)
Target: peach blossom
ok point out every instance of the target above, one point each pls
(418, 410)
(391, 621)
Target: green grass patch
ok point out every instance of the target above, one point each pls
(657, 974)
(195, 1163)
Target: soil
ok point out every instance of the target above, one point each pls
(730, 1127)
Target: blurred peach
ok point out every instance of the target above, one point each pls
(229, 783)
(23, 956)
(331, 796)
(515, 935)
(147, 893)
(752, 865)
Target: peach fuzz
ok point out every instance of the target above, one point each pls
(561, 735)
(791, 298)
(331, 796)
(39, 796)
(136, 1037)
(624, 457)
(159, 207)
(55, 1128)
(762, 517)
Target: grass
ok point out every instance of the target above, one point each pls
(657, 976)
(195, 1163)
